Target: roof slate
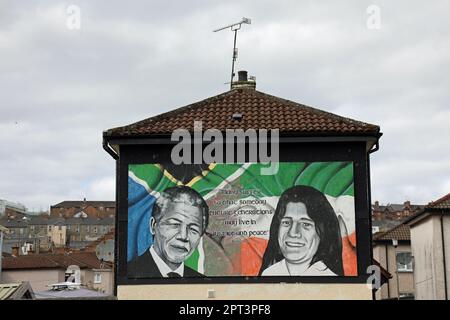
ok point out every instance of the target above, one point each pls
(259, 110)
(400, 232)
(83, 204)
(48, 261)
(440, 206)
(442, 203)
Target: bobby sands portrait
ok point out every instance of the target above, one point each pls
(179, 220)
(304, 238)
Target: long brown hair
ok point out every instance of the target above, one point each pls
(326, 224)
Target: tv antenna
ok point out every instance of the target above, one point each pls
(234, 27)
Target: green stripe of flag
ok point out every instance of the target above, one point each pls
(215, 177)
(152, 175)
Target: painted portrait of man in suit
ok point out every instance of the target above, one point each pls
(179, 220)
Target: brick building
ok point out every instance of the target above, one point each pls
(91, 209)
(386, 217)
(43, 233)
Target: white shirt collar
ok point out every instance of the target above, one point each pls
(163, 267)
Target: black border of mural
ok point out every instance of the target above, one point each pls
(289, 152)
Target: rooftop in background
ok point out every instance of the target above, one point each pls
(35, 221)
(400, 233)
(16, 291)
(386, 217)
(81, 293)
(259, 111)
(82, 204)
(439, 207)
(54, 261)
(441, 203)
(395, 207)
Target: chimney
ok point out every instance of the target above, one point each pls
(15, 251)
(407, 208)
(243, 81)
(376, 206)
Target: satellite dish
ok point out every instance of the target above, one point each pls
(105, 250)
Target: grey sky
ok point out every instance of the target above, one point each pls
(60, 88)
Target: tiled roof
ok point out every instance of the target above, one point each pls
(82, 204)
(398, 207)
(259, 111)
(14, 223)
(23, 223)
(440, 206)
(442, 203)
(400, 232)
(90, 221)
(49, 261)
(28, 262)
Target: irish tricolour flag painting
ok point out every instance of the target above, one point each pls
(231, 220)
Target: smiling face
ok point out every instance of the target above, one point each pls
(297, 237)
(177, 233)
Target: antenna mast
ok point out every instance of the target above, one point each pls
(234, 27)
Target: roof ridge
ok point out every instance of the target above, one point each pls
(176, 110)
(83, 262)
(315, 109)
(262, 110)
(381, 235)
(46, 256)
(438, 201)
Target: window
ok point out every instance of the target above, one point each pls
(98, 278)
(49, 239)
(404, 261)
(32, 228)
(78, 228)
(49, 228)
(95, 230)
(59, 228)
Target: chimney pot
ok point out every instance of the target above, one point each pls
(242, 75)
(243, 81)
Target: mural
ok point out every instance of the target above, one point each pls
(222, 220)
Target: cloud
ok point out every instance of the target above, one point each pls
(61, 88)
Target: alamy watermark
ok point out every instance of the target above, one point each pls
(221, 149)
(73, 19)
(374, 280)
(374, 17)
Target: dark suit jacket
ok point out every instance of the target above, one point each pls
(145, 267)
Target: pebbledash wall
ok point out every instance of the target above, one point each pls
(318, 150)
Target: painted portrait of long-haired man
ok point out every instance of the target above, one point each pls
(304, 238)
